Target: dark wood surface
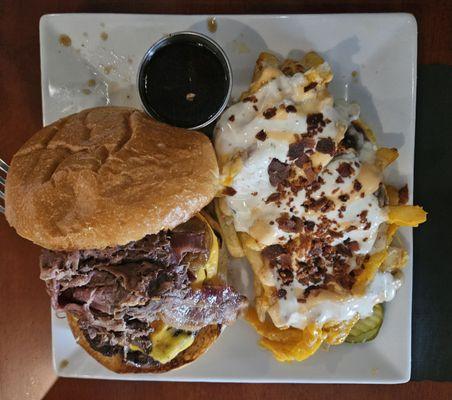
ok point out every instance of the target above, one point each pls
(25, 369)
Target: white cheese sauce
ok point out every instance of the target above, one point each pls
(235, 134)
(327, 308)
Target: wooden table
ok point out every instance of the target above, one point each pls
(25, 368)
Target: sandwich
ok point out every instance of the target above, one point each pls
(131, 255)
(305, 201)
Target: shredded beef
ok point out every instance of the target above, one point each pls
(116, 293)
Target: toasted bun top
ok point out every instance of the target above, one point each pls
(203, 340)
(107, 176)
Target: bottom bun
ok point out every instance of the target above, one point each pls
(204, 339)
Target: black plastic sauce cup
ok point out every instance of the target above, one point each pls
(185, 80)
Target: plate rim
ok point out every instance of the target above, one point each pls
(408, 18)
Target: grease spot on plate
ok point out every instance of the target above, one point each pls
(86, 91)
(91, 83)
(104, 36)
(63, 364)
(212, 25)
(240, 47)
(65, 40)
(107, 68)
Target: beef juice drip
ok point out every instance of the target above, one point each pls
(184, 84)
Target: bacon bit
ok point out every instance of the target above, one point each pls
(291, 109)
(273, 198)
(345, 169)
(343, 250)
(335, 190)
(269, 112)
(272, 253)
(297, 149)
(253, 193)
(344, 197)
(301, 300)
(298, 184)
(281, 293)
(335, 234)
(261, 135)
(362, 194)
(326, 146)
(403, 195)
(286, 276)
(251, 98)
(309, 172)
(255, 108)
(272, 222)
(351, 228)
(327, 120)
(323, 204)
(363, 216)
(315, 119)
(357, 185)
(309, 225)
(339, 180)
(300, 161)
(232, 118)
(353, 246)
(278, 172)
(289, 224)
(367, 226)
(285, 260)
(229, 191)
(309, 87)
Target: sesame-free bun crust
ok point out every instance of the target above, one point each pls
(204, 339)
(107, 176)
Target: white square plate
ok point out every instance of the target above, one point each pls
(374, 60)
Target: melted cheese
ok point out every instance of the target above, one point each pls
(168, 342)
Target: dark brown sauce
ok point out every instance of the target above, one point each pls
(184, 84)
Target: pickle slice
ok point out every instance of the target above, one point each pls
(367, 329)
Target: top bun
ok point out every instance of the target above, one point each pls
(107, 176)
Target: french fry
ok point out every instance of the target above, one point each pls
(392, 229)
(371, 267)
(309, 342)
(338, 332)
(248, 241)
(406, 215)
(291, 67)
(270, 331)
(266, 69)
(229, 234)
(397, 259)
(360, 125)
(311, 60)
(385, 156)
(393, 195)
(257, 264)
